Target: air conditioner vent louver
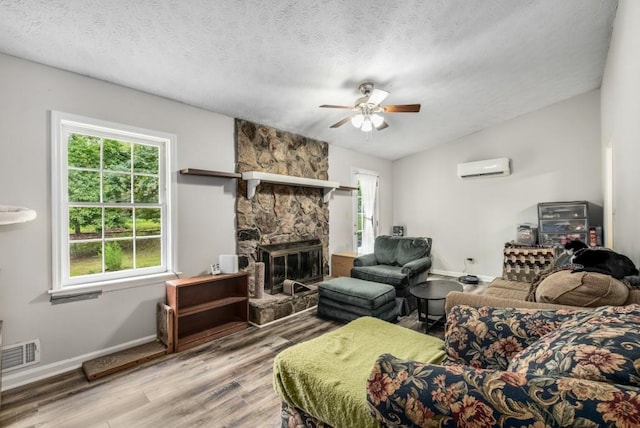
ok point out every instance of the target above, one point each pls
(484, 174)
(20, 355)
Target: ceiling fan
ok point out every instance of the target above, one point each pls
(367, 111)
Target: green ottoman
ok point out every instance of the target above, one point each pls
(345, 299)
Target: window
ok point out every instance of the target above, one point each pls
(366, 223)
(111, 202)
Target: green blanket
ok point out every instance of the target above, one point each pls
(326, 376)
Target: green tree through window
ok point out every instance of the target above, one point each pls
(103, 172)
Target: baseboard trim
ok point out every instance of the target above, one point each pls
(37, 373)
(483, 278)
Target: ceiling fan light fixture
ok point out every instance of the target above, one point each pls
(367, 111)
(357, 120)
(376, 119)
(366, 125)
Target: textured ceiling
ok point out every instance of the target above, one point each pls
(470, 63)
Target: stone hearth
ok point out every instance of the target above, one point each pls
(274, 307)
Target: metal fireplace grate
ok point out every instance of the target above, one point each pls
(299, 261)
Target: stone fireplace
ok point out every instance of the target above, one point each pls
(280, 215)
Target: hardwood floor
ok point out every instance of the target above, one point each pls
(225, 383)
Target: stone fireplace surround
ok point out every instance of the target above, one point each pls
(279, 213)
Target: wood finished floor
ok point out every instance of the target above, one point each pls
(225, 383)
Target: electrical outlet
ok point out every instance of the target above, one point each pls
(471, 260)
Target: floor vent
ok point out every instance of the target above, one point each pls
(20, 355)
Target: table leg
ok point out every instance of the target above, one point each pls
(423, 315)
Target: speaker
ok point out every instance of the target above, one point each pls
(228, 263)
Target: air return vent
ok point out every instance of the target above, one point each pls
(20, 355)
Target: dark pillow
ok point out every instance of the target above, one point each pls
(633, 281)
(603, 345)
(605, 261)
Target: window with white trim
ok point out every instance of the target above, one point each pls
(365, 210)
(111, 195)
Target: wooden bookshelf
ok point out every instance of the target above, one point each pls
(207, 307)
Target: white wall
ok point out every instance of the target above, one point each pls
(341, 164)
(555, 155)
(74, 332)
(621, 125)
(70, 332)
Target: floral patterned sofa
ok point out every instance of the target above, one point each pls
(518, 367)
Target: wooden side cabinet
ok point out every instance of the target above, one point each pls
(207, 307)
(341, 264)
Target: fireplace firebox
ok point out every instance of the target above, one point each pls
(300, 261)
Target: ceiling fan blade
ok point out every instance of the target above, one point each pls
(334, 106)
(383, 125)
(377, 96)
(402, 108)
(342, 122)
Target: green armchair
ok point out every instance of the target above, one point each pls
(398, 261)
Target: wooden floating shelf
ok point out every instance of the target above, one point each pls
(349, 188)
(207, 173)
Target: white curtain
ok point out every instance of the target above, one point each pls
(368, 189)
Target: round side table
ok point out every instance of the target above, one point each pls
(431, 295)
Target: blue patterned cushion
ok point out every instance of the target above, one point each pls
(602, 346)
(403, 393)
(488, 337)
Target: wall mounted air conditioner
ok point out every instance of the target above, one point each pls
(484, 168)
